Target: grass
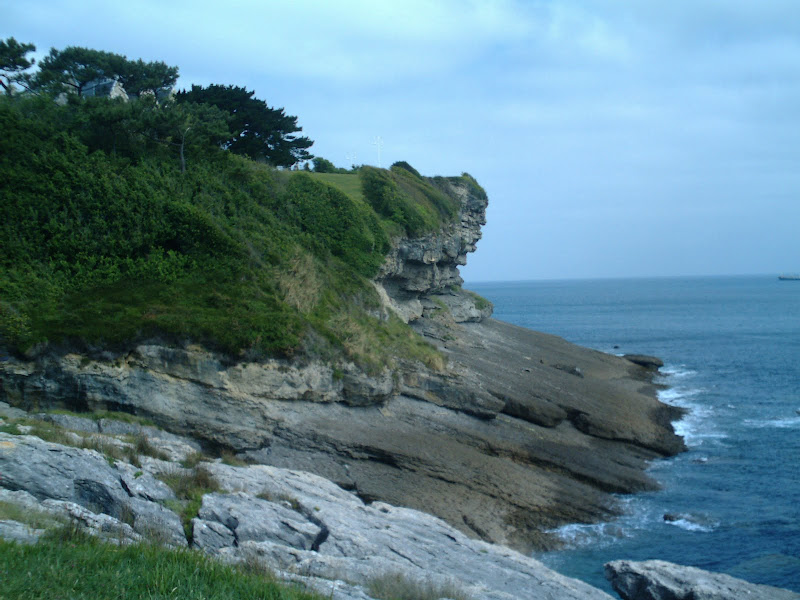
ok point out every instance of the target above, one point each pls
(230, 459)
(71, 565)
(193, 459)
(480, 302)
(189, 487)
(49, 432)
(375, 344)
(142, 445)
(32, 518)
(349, 183)
(398, 586)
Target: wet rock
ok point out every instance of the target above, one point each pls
(648, 362)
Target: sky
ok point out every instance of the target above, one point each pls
(615, 138)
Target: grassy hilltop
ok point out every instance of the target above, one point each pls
(106, 241)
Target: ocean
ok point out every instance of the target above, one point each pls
(731, 347)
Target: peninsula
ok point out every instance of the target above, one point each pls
(281, 367)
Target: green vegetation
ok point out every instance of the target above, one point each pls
(70, 565)
(98, 415)
(348, 183)
(128, 449)
(35, 519)
(189, 486)
(410, 203)
(258, 131)
(130, 221)
(323, 165)
(76, 68)
(480, 301)
(14, 62)
(397, 586)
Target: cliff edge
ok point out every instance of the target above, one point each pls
(512, 434)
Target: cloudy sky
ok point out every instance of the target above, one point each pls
(615, 138)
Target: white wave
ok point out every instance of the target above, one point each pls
(698, 424)
(678, 396)
(677, 371)
(577, 535)
(692, 525)
(636, 516)
(787, 423)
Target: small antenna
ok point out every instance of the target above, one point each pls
(378, 142)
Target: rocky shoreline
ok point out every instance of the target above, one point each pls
(302, 527)
(522, 433)
(449, 472)
(515, 433)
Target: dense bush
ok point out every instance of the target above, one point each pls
(323, 165)
(107, 240)
(401, 164)
(407, 199)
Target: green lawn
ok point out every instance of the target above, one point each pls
(349, 183)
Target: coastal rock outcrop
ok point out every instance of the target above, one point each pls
(77, 477)
(299, 525)
(420, 272)
(660, 580)
(517, 433)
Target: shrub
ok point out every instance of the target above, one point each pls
(401, 164)
(323, 165)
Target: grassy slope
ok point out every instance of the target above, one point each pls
(103, 250)
(75, 566)
(348, 183)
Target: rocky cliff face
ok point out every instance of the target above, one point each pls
(519, 433)
(422, 273)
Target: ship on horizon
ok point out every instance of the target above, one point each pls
(790, 277)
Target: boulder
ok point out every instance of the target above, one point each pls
(648, 362)
(660, 580)
(14, 531)
(86, 478)
(254, 519)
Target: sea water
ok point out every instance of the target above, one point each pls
(732, 351)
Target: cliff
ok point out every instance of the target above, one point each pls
(514, 433)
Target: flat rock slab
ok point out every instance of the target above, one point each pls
(357, 541)
(660, 580)
(249, 518)
(51, 471)
(520, 433)
(648, 362)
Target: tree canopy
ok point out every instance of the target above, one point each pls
(13, 62)
(259, 131)
(75, 67)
